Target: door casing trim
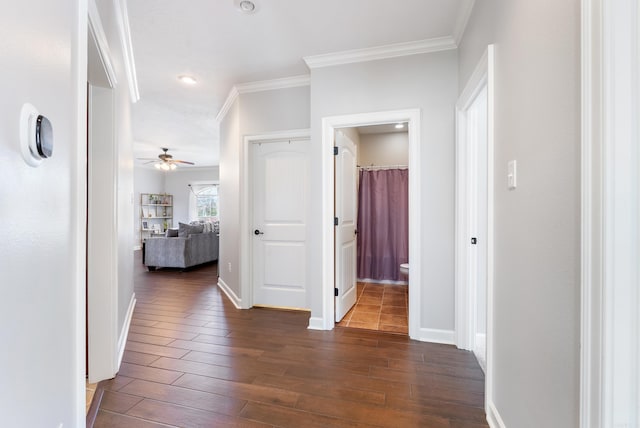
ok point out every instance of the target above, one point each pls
(329, 126)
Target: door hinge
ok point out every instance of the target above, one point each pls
(335, 150)
(335, 292)
(335, 221)
(474, 241)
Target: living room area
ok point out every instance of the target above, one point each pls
(176, 215)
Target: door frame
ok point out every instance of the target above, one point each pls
(246, 205)
(610, 220)
(465, 297)
(329, 126)
(103, 351)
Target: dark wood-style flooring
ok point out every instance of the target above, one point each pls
(193, 360)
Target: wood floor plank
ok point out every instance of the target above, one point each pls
(193, 359)
(374, 415)
(106, 419)
(138, 358)
(187, 397)
(188, 417)
(149, 373)
(258, 393)
(292, 418)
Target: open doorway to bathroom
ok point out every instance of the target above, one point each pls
(372, 212)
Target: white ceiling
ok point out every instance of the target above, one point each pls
(221, 47)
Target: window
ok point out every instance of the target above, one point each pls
(204, 204)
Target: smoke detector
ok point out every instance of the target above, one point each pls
(246, 6)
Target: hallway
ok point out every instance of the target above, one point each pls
(192, 359)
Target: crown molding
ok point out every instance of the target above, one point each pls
(231, 98)
(269, 85)
(463, 19)
(122, 18)
(258, 86)
(381, 52)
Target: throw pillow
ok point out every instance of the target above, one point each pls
(171, 233)
(184, 230)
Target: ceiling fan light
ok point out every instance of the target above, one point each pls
(173, 166)
(157, 166)
(164, 166)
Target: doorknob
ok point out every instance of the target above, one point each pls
(257, 232)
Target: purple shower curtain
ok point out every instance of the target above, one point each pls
(383, 223)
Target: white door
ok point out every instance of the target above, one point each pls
(280, 187)
(346, 213)
(478, 218)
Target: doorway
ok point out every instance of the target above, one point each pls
(330, 264)
(101, 256)
(371, 176)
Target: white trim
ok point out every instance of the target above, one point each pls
(259, 86)
(493, 417)
(329, 125)
(610, 307)
(228, 103)
(463, 19)
(483, 74)
(246, 278)
(316, 323)
(381, 52)
(269, 85)
(97, 30)
(591, 230)
(124, 30)
(124, 333)
(436, 336)
(137, 247)
(79, 44)
(237, 302)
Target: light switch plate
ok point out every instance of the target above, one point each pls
(512, 175)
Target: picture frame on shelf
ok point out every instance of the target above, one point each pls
(145, 225)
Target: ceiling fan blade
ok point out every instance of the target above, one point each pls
(181, 161)
(147, 159)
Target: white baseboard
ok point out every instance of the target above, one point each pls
(493, 416)
(432, 335)
(480, 350)
(237, 302)
(122, 340)
(316, 323)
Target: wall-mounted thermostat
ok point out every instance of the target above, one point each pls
(36, 136)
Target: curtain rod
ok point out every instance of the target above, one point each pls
(383, 166)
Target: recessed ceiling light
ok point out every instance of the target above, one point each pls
(399, 125)
(246, 6)
(189, 80)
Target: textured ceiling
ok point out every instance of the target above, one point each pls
(220, 47)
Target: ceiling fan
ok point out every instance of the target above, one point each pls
(166, 162)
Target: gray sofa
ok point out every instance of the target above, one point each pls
(181, 251)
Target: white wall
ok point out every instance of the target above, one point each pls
(228, 195)
(38, 325)
(428, 82)
(537, 246)
(251, 114)
(176, 184)
(384, 149)
(145, 180)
